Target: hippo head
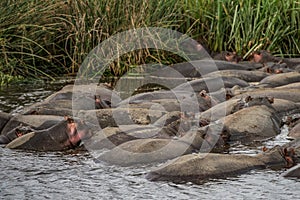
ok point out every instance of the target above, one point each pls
(256, 57)
(290, 157)
(232, 57)
(77, 130)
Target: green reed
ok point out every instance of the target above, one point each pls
(45, 39)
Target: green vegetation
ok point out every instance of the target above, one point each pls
(45, 39)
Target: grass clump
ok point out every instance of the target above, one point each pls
(44, 39)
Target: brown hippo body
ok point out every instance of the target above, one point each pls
(120, 116)
(277, 80)
(200, 167)
(255, 123)
(171, 104)
(151, 150)
(167, 127)
(287, 94)
(295, 131)
(263, 56)
(231, 106)
(290, 86)
(293, 172)
(227, 56)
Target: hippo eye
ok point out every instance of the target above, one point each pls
(70, 120)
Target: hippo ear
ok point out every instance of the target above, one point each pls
(271, 99)
(203, 93)
(69, 119)
(227, 53)
(248, 98)
(264, 149)
(268, 70)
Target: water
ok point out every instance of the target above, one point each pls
(15, 97)
(75, 175)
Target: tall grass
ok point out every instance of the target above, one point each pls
(246, 25)
(52, 37)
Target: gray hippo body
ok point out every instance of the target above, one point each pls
(55, 138)
(70, 98)
(178, 100)
(38, 122)
(4, 118)
(231, 106)
(211, 84)
(20, 123)
(248, 76)
(120, 116)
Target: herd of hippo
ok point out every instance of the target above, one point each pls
(189, 134)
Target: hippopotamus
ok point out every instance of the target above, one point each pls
(290, 86)
(58, 107)
(120, 116)
(233, 105)
(178, 100)
(37, 122)
(198, 68)
(227, 56)
(200, 167)
(263, 56)
(4, 118)
(24, 123)
(211, 84)
(14, 133)
(65, 135)
(197, 168)
(277, 93)
(276, 68)
(248, 76)
(173, 124)
(293, 172)
(73, 98)
(285, 107)
(295, 131)
(256, 123)
(168, 105)
(276, 80)
(151, 150)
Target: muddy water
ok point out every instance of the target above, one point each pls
(75, 175)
